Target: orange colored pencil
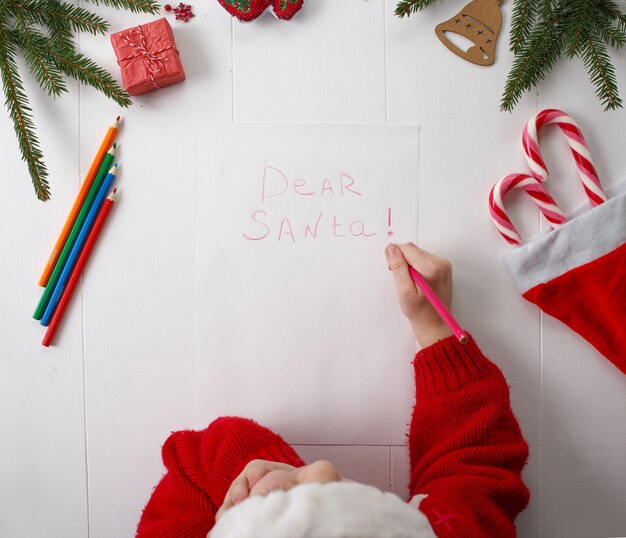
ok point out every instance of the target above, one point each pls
(80, 198)
(78, 268)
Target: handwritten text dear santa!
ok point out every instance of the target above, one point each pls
(268, 224)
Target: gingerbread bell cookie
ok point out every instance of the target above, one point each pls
(480, 22)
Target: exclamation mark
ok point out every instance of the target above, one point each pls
(390, 232)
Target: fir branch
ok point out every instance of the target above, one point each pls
(612, 11)
(46, 73)
(86, 71)
(407, 7)
(603, 26)
(522, 21)
(20, 112)
(580, 20)
(62, 15)
(60, 30)
(534, 60)
(136, 6)
(601, 71)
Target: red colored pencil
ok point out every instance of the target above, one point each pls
(78, 269)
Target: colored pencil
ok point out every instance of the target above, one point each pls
(445, 314)
(78, 246)
(76, 228)
(80, 264)
(80, 198)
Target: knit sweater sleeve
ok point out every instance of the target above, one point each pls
(201, 466)
(466, 448)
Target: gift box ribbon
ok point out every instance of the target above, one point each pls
(136, 39)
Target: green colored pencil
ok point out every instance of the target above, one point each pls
(71, 239)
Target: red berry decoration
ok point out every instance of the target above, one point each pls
(167, 7)
(183, 12)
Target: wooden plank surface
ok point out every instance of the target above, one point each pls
(84, 421)
(42, 446)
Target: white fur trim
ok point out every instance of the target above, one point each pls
(581, 240)
(416, 500)
(334, 510)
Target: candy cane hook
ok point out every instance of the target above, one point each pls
(577, 144)
(538, 194)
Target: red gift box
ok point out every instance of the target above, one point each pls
(148, 57)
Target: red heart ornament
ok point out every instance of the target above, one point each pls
(285, 9)
(245, 10)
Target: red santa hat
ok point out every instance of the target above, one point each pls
(333, 510)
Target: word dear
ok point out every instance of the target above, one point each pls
(275, 183)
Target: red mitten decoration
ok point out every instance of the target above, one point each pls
(247, 10)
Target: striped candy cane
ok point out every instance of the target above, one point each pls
(577, 144)
(535, 190)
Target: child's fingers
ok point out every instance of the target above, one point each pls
(240, 488)
(256, 470)
(429, 265)
(400, 269)
(236, 493)
(278, 479)
(320, 472)
(418, 258)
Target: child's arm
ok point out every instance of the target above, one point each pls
(466, 448)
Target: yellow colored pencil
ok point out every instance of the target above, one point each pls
(80, 199)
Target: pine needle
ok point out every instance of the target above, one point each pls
(61, 14)
(609, 34)
(407, 7)
(136, 6)
(60, 30)
(88, 72)
(581, 19)
(611, 10)
(601, 71)
(20, 112)
(524, 12)
(535, 59)
(46, 73)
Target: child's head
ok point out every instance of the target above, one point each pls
(335, 509)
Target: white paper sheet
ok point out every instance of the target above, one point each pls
(298, 325)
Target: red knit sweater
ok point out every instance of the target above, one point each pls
(466, 453)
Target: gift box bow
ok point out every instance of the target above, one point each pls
(155, 60)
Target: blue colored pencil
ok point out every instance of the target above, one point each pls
(78, 246)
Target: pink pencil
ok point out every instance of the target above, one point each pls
(438, 306)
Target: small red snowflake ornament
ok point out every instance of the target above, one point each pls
(247, 10)
(183, 12)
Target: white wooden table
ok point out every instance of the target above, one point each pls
(82, 422)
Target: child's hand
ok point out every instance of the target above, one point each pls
(254, 471)
(260, 477)
(427, 326)
(320, 472)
